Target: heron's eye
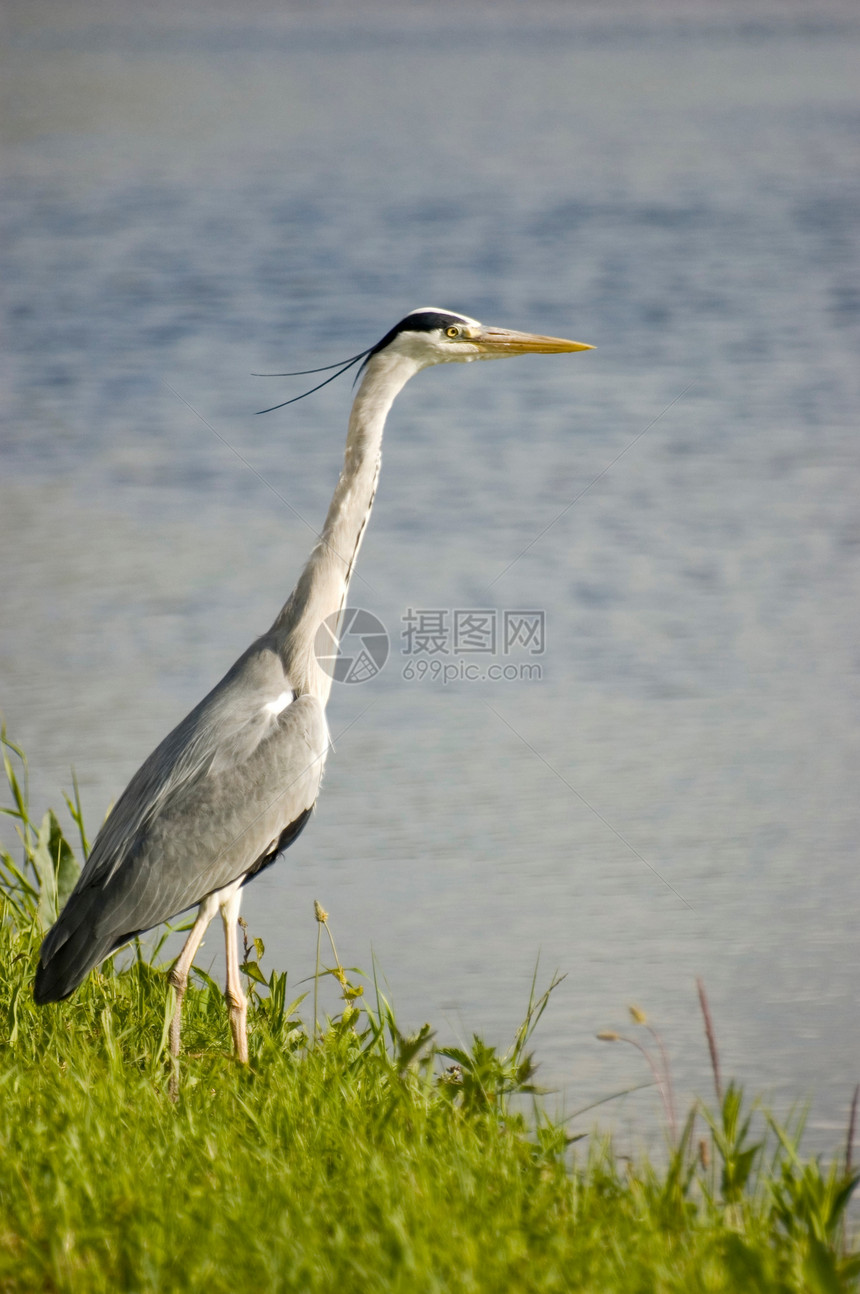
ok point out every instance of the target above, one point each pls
(453, 331)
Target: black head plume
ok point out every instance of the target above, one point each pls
(425, 319)
(341, 366)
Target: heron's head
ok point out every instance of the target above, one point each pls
(432, 336)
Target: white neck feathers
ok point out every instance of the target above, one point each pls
(323, 584)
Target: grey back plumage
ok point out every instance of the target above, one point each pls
(211, 801)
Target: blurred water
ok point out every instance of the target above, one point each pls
(191, 195)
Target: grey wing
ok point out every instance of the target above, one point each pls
(225, 824)
(227, 789)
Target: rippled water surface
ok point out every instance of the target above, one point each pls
(192, 195)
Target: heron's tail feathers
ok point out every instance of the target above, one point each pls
(72, 947)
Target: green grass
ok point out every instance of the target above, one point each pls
(350, 1157)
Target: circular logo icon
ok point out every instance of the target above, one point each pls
(358, 652)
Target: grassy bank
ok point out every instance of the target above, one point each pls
(348, 1157)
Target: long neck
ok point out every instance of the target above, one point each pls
(323, 584)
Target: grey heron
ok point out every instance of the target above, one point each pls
(235, 782)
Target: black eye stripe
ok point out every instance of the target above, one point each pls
(420, 321)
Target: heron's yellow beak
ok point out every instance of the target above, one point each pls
(501, 341)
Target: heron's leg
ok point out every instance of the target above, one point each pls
(178, 976)
(237, 1003)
